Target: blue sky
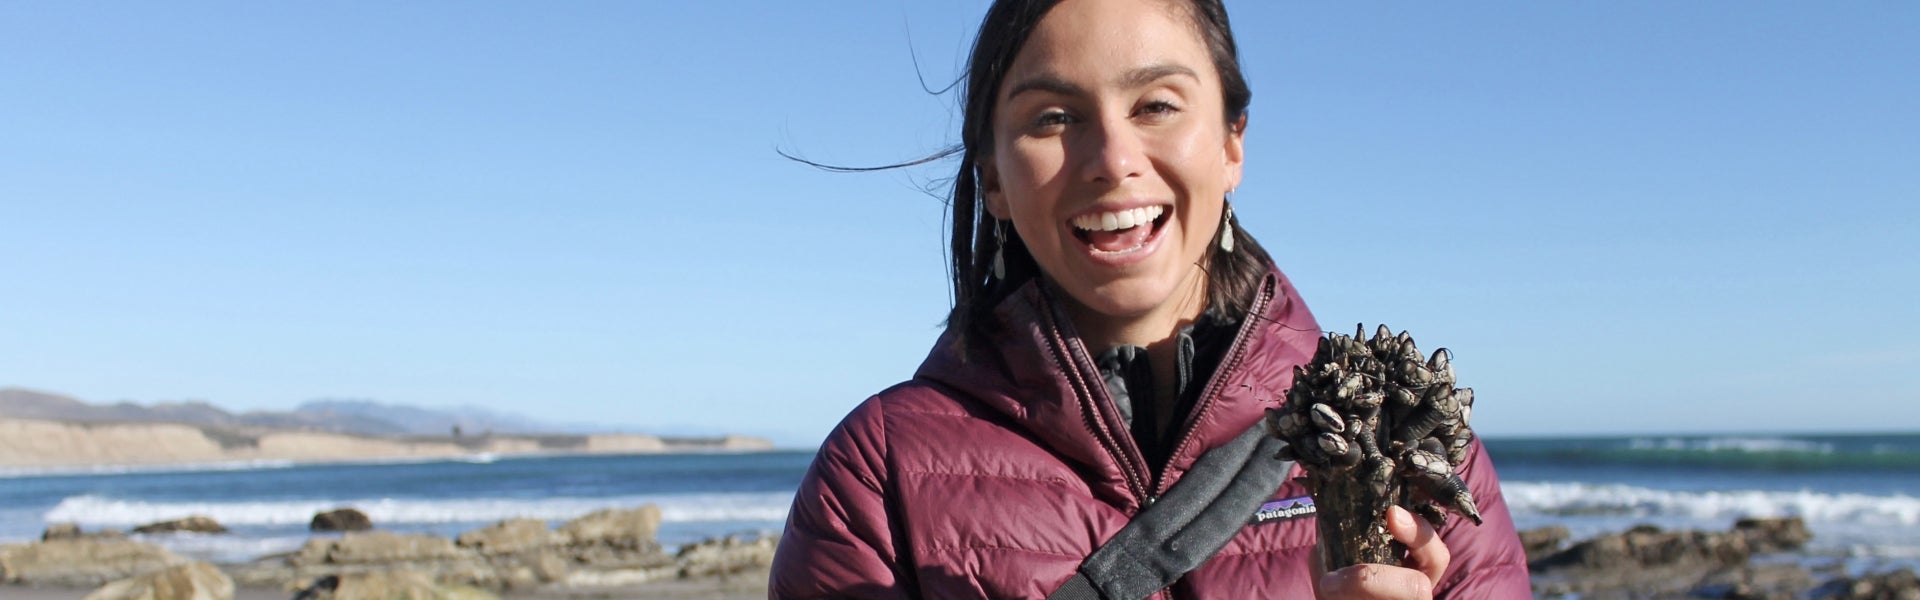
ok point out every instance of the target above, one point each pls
(1628, 217)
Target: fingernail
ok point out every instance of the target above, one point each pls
(1401, 518)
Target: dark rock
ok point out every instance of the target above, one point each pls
(1645, 547)
(322, 587)
(71, 531)
(1774, 535)
(195, 523)
(342, 519)
(1646, 561)
(61, 531)
(1543, 541)
(1893, 585)
(1763, 582)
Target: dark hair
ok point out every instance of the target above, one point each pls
(1231, 276)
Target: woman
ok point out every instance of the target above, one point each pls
(1112, 322)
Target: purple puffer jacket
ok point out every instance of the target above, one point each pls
(995, 476)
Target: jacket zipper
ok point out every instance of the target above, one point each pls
(1133, 464)
(1227, 364)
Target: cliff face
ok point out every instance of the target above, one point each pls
(40, 443)
(35, 443)
(47, 443)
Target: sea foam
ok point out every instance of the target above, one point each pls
(1896, 510)
(1731, 444)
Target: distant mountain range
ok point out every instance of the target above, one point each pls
(360, 417)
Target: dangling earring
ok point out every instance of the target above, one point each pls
(1226, 226)
(999, 251)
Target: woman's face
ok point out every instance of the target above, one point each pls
(1112, 156)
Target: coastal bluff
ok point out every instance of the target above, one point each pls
(44, 430)
(35, 443)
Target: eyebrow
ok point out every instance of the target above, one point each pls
(1136, 78)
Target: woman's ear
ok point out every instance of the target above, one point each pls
(987, 178)
(1236, 150)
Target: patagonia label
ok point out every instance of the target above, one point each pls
(1281, 510)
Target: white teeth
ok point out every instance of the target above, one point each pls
(1115, 221)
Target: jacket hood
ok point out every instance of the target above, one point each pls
(1032, 369)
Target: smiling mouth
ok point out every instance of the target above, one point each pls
(1120, 232)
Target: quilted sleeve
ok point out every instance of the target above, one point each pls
(840, 540)
(1488, 561)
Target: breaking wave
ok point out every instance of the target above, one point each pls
(1870, 453)
(1584, 499)
(1732, 444)
(100, 511)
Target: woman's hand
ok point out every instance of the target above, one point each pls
(1427, 558)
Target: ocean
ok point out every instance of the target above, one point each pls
(1860, 494)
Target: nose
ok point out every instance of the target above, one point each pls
(1110, 152)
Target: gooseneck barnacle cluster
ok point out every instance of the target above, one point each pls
(1374, 423)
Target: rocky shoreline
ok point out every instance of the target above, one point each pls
(614, 554)
(609, 553)
(1755, 560)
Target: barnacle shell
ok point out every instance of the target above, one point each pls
(1423, 462)
(1350, 386)
(1333, 444)
(1415, 375)
(1326, 419)
(1402, 397)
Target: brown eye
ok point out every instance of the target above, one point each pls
(1052, 119)
(1158, 109)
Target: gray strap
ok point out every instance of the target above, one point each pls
(1188, 525)
(1077, 588)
